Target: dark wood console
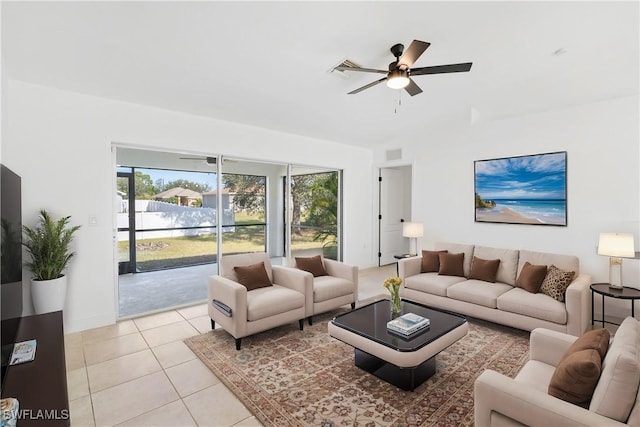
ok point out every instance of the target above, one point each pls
(41, 385)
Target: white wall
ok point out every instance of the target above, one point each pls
(60, 143)
(602, 144)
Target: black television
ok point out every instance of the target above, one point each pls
(10, 261)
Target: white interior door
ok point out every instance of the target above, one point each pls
(392, 213)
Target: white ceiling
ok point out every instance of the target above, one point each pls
(267, 63)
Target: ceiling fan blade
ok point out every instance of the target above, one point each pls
(353, 92)
(439, 69)
(365, 70)
(416, 48)
(412, 88)
(208, 160)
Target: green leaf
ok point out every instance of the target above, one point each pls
(48, 246)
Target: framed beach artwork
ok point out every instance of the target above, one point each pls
(522, 190)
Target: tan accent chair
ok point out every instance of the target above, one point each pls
(502, 401)
(242, 313)
(339, 287)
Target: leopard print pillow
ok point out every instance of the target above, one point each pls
(556, 282)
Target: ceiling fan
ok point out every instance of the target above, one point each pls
(400, 72)
(208, 160)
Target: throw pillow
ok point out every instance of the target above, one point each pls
(431, 261)
(311, 264)
(451, 264)
(253, 276)
(531, 277)
(576, 376)
(556, 282)
(597, 339)
(484, 269)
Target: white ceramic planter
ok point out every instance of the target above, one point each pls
(48, 295)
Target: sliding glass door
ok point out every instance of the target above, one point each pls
(178, 213)
(165, 220)
(244, 203)
(314, 211)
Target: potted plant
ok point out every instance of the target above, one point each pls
(48, 246)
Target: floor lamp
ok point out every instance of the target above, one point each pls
(616, 246)
(412, 230)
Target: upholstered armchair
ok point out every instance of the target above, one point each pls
(330, 284)
(530, 398)
(247, 298)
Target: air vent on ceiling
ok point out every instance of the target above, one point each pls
(343, 63)
(394, 154)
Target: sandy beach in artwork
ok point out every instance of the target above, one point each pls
(504, 215)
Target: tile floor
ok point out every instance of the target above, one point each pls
(138, 372)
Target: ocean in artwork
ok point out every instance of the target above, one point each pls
(545, 211)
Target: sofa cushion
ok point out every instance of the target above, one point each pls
(531, 277)
(597, 339)
(508, 262)
(538, 306)
(451, 264)
(618, 386)
(576, 376)
(311, 264)
(329, 287)
(484, 269)
(478, 292)
(430, 261)
(456, 248)
(431, 283)
(556, 282)
(252, 276)
(616, 391)
(271, 301)
(565, 262)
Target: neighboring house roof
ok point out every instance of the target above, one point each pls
(178, 192)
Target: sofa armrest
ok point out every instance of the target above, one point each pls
(345, 271)
(494, 392)
(233, 295)
(292, 278)
(549, 346)
(342, 270)
(308, 285)
(578, 305)
(409, 266)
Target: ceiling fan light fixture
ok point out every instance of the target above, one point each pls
(397, 79)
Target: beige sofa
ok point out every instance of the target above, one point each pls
(503, 401)
(501, 302)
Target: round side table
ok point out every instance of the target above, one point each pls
(606, 290)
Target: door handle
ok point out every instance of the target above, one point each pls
(401, 219)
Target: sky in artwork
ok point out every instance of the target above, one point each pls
(538, 177)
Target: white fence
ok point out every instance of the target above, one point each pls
(163, 216)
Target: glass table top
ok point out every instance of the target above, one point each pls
(370, 321)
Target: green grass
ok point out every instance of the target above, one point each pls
(203, 248)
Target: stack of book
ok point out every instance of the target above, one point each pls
(408, 324)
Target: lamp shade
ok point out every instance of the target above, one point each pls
(618, 245)
(412, 229)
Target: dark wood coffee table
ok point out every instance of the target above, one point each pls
(403, 362)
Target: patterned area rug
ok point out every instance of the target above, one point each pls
(286, 377)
